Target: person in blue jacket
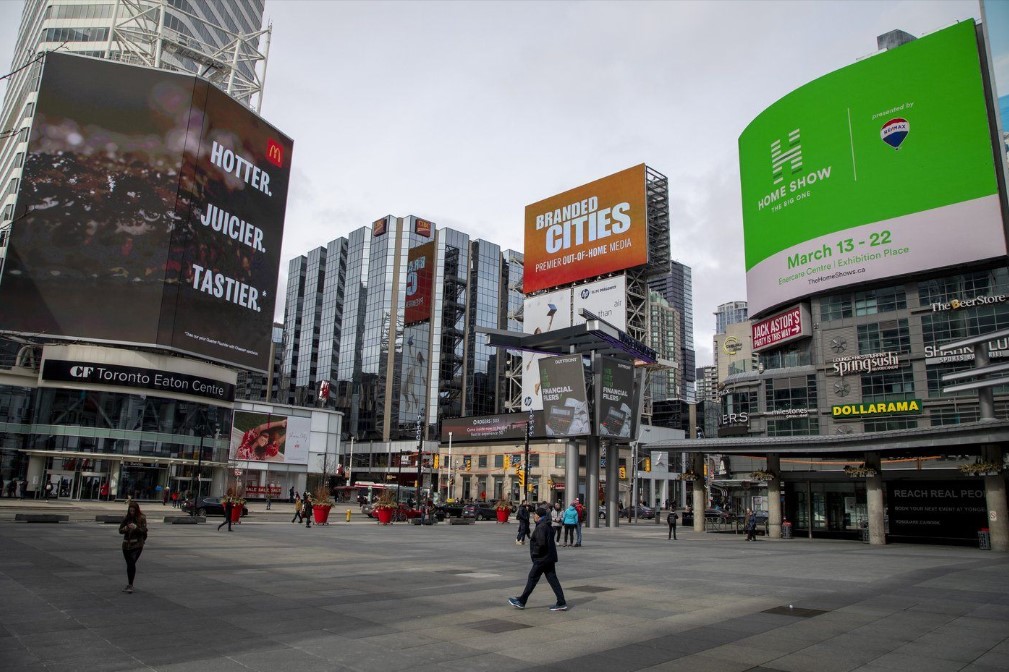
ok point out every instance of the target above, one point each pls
(570, 521)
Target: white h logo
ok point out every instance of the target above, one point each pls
(791, 155)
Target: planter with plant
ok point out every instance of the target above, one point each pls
(322, 502)
(385, 507)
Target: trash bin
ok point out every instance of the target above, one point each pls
(786, 530)
(984, 539)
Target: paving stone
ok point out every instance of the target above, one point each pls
(359, 598)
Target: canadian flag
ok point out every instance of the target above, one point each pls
(324, 390)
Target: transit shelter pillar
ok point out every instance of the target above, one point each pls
(874, 500)
(995, 500)
(774, 496)
(592, 482)
(697, 466)
(612, 484)
(570, 472)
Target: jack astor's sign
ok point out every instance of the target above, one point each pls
(902, 407)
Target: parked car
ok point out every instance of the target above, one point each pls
(644, 512)
(451, 510)
(209, 506)
(602, 512)
(480, 511)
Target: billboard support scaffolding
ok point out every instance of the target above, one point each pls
(139, 36)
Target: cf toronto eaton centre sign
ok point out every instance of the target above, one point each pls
(171, 382)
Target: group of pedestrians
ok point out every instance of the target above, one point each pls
(302, 509)
(569, 521)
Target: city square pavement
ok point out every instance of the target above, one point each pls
(358, 596)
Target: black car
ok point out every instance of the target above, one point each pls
(480, 511)
(209, 506)
(644, 512)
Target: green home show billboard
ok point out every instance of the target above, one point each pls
(880, 169)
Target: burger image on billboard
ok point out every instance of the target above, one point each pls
(600, 227)
(151, 212)
(862, 174)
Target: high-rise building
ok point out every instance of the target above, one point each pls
(732, 312)
(675, 286)
(389, 316)
(219, 40)
(664, 337)
(128, 435)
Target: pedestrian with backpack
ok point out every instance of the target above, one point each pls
(671, 521)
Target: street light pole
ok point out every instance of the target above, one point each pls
(350, 464)
(525, 460)
(448, 490)
(420, 454)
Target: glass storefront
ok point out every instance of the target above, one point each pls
(829, 509)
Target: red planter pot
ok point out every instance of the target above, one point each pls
(502, 515)
(236, 514)
(384, 516)
(321, 514)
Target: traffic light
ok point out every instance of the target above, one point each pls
(436, 460)
(647, 466)
(469, 464)
(522, 479)
(507, 462)
(623, 473)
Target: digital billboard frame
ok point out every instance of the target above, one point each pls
(151, 212)
(848, 179)
(597, 228)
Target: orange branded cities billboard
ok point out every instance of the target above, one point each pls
(597, 228)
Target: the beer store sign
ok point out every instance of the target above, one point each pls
(958, 304)
(901, 407)
(118, 375)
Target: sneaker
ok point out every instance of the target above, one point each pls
(518, 543)
(126, 589)
(129, 589)
(559, 607)
(514, 601)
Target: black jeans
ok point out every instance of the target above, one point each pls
(132, 555)
(672, 532)
(523, 530)
(569, 533)
(538, 570)
(227, 520)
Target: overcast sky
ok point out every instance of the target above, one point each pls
(465, 112)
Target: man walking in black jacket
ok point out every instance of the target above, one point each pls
(523, 518)
(543, 551)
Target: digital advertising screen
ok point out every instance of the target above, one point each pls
(565, 401)
(151, 211)
(541, 313)
(871, 172)
(420, 265)
(510, 426)
(266, 437)
(615, 399)
(597, 228)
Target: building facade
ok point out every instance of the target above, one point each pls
(390, 317)
(732, 312)
(676, 287)
(110, 421)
